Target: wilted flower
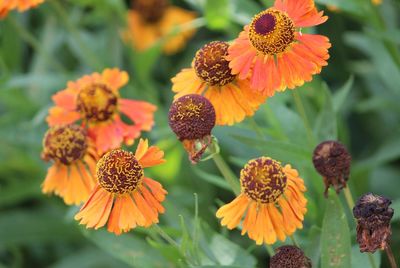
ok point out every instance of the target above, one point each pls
(289, 257)
(95, 100)
(72, 175)
(124, 197)
(273, 52)
(191, 118)
(373, 216)
(150, 20)
(272, 200)
(20, 5)
(211, 76)
(332, 160)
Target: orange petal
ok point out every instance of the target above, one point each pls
(60, 116)
(149, 157)
(151, 200)
(56, 179)
(140, 112)
(187, 82)
(277, 221)
(115, 78)
(156, 189)
(147, 211)
(114, 219)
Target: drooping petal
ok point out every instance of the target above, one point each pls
(186, 82)
(232, 213)
(302, 12)
(156, 188)
(61, 116)
(115, 78)
(56, 179)
(148, 157)
(140, 112)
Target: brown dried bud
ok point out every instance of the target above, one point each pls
(373, 216)
(332, 160)
(289, 257)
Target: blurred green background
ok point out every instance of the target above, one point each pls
(355, 100)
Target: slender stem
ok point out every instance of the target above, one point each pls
(350, 203)
(164, 235)
(390, 256)
(300, 108)
(270, 250)
(294, 242)
(227, 173)
(90, 57)
(34, 43)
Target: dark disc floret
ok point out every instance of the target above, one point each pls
(332, 160)
(150, 10)
(65, 144)
(373, 216)
(191, 117)
(289, 257)
(119, 172)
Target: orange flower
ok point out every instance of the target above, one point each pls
(95, 99)
(21, 5)
(124, 197)
(210, 75)
(72, 174)
(151, 20)
(274, 54)
(272, 201)
(376, 2)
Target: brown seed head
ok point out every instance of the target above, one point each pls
(191, 117)
(119, 172)
(373, 216)
(64, 144)
(289, 257)
(332, 160)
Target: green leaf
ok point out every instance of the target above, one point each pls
(360, 260)
(326, 126)
(128, 248)
(396, 206)
(335, 237)
(340, 96)
(211, 178)
(217, 14)
(243, 11)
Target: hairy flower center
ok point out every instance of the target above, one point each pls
(119, 172)
(151, 10)
(64, 144)
(211, 65)
(97, 102)
(191, 117)
(271, 31)
(263, 180)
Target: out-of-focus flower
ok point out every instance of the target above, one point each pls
(72, 175)
(272, 200)
(272, 51)
(95, 100)
(210, 75)
(289, 257)
(376, 2)
(373, 216)
(151, 20)
(191, 118)
(20, 5)
(124, 197)
(332, 160)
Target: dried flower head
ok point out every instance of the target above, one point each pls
(373, 216)
(332, 160)
(191, 118)
(289, 257)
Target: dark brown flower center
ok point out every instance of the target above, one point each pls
(151, 10)
(263, 180)
(271, 32)
(97, 102)
(64, 144)
(191, 117)
(289, 257)
(119, 172)
(211, 65)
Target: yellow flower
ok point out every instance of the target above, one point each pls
(272, 201)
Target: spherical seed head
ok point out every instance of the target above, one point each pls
(97, 102)
(271, 31)
(373, 216)
(263, 180)
(119, 172)
(64, 144)
(289, 257)
(151, 10)
(211, 64)
(332, 160)
(191, 117)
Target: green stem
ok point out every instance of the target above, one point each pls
(90, 57)
(390, 256)
(164, 235)
(270, 250)
(34, 43)
(350, 204)
(227, 173)
(300, 108)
